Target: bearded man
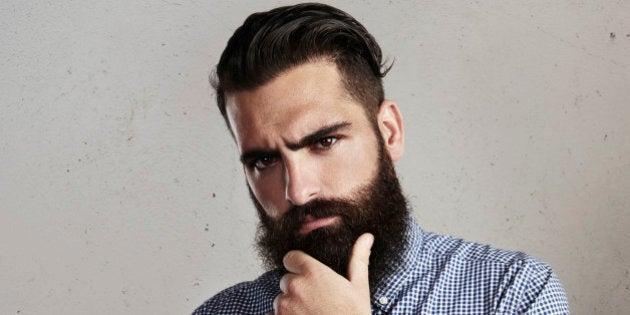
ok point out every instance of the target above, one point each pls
(300, 88)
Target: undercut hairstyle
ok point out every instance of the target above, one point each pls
(269, 43)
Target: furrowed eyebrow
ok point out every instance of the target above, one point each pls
(317, 135)
(308, 140)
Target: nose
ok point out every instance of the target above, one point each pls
(301, 181)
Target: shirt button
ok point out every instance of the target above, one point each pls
(383, 300)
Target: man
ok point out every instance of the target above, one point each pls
(300, 88)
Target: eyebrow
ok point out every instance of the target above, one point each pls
(305, 141)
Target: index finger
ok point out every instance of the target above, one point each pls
(299, 262)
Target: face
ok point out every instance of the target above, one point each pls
(318, 169)
(378, 208)
(299, 136)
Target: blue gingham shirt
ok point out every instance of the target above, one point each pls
(439, 275)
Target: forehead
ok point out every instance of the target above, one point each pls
(299, 100)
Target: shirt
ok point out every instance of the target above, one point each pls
(438, 275)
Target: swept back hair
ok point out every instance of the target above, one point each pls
(271, 42)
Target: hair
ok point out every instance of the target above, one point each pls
(271, 42)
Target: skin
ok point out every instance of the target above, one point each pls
(302, 137)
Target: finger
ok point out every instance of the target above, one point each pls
(276, 302)
(285, 280)
(298, 262)
(360, 260)
(282, 304)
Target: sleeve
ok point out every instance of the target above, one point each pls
(532, 287)
(252, 297)
(550, 297)
(214, 304)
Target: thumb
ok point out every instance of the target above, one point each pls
(359, 261)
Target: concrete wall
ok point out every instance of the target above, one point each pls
(120, 192)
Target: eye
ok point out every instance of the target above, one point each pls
(325, 143)
(263, 162)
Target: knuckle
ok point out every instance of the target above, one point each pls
(292, 285)
(289, 256)
(286, 259)
(312, 271)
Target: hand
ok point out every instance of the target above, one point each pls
(311, 287)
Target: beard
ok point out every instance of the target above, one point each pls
(378, 208)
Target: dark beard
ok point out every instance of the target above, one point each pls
(379, 208)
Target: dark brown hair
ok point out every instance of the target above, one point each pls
(271, 42)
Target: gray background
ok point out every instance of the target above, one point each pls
(120, 191)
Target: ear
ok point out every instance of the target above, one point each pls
(390, 123)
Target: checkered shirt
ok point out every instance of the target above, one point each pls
(438, 275)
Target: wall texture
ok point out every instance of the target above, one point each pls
(120, 191)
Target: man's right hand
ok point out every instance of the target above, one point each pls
(311, 287)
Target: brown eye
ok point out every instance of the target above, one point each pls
(263, 162)
(325, 143)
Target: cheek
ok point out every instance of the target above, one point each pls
(269, 193)
(354, 168)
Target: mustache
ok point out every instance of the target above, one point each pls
(318, 208)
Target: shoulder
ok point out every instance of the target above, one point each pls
(251, 297)
(443, 247)
(452, 252)
(520, 282)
